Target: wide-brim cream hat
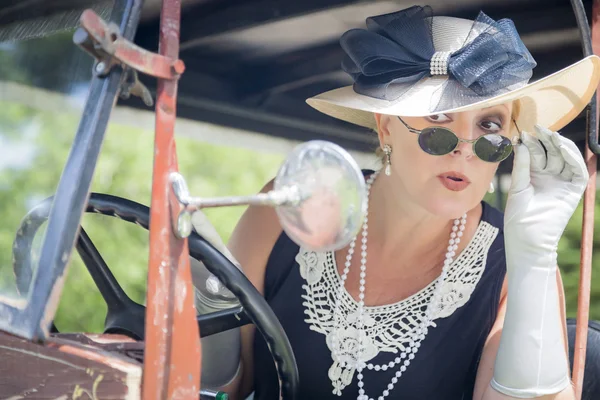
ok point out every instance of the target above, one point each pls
(413, 64)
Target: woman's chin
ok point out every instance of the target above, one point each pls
(450, 207)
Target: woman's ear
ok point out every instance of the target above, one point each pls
(383, 122)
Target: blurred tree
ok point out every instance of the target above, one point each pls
(568, 259)
(33, 145)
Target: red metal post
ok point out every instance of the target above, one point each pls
(172, 351)
(587, 239)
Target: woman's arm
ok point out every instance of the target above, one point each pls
(251, 243)
(485, 372)
(548, 180)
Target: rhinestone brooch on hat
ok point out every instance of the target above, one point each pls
(439, 63)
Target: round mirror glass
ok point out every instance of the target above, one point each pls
(333, 192)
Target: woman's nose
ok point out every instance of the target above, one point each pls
(464, 131)
(463, 149)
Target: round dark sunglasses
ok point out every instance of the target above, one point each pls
(438, 141)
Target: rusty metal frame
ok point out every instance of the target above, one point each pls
(172, 357)
(590, 45)
(105, 43)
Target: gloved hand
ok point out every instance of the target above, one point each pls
(546, 188)
(545, 191)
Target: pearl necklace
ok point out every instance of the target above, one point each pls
(420, 332)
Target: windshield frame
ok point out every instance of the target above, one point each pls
(31, 318)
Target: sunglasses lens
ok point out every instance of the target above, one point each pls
(493, 148)
(437, 141)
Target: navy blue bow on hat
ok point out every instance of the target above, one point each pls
(396, 51)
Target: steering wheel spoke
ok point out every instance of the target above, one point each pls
(111, 291)
(221, 321)
(124, 315)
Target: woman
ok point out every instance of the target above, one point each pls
(440, 296)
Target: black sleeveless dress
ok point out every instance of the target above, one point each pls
(446, 364)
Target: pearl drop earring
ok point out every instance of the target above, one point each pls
(491, 189)
(387, 149)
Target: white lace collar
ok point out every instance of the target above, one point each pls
(388, 328)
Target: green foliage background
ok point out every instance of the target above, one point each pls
(124, 169)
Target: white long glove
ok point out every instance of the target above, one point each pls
(545, 191)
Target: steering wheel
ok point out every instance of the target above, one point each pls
(127, 317)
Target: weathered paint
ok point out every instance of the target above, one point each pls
(79, 391)
(122, 51)
(124, 353)
(103, 357)
(106, 339)
(52, 304)
(172, 357)
(66, 369)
